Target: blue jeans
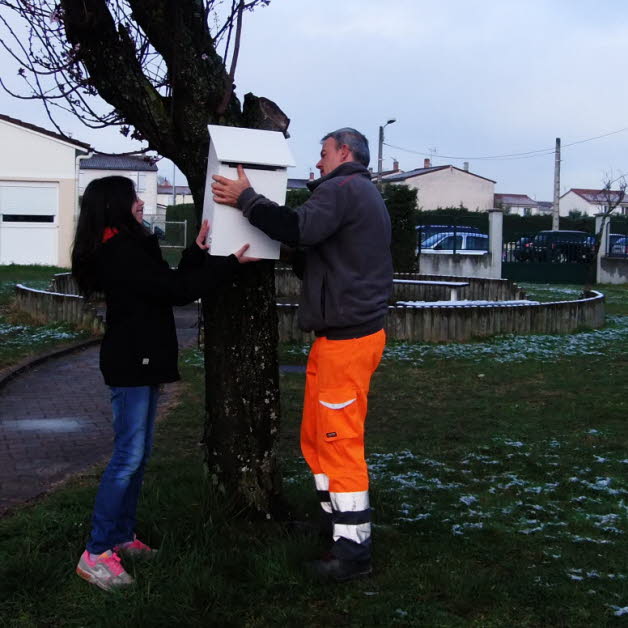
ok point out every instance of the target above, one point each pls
(113, 521)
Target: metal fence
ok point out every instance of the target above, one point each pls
(171, 233)
(554, 247)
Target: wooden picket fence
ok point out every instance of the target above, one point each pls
(423, 323)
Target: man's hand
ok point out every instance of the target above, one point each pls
(201, 238)
(245, 259)
(227, 191)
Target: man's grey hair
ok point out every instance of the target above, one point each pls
(355, 141)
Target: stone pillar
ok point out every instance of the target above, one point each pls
(602, 228)
(495, 241)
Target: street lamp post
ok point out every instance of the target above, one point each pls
(381, 146)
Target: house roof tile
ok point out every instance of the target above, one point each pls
(297, 184)
(167, 189)
(101, 161)
(518, 200)
(417, 172)
(599, 196)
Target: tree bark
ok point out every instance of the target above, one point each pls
(242, 392)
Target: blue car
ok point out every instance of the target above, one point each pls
(426, 231)
(450, 242)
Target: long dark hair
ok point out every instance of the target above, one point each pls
(106, 202)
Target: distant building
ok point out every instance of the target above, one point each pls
(447, 186)
(182, 194)
(386, 173)
(300, 184)
(140, 169)
(38, 193)
(545, 207)
(520, 204)
(591, 202)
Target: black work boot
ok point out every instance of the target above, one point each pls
(340, 570)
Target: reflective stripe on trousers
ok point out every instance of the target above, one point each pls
(332, 435)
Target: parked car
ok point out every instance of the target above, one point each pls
(426, 231)
(449, 242)
(158, 231)
(519, 250)
(562, 246)
(618, 245)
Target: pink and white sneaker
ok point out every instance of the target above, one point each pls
(105, 571)
(135, 549)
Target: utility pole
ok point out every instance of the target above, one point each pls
(174, 188)
(555, 206)
(379, 153)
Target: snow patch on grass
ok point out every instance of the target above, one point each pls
(16, 335)
(512, 348)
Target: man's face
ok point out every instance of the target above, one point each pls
(332, 156)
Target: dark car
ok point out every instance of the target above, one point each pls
(519, 250)
(562, 246)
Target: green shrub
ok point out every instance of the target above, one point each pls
(295, 198)
(402, 207)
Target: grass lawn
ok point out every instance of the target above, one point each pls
(499, 487)
(19, 337)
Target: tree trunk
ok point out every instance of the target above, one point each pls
(241, 368)
(242, 385)
(242, 391)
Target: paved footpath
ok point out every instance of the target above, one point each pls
(55, 419)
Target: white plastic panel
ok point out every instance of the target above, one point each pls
(28, 244)
(250, 146)
(230, 230)
(28, 199)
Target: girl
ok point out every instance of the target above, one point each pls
(113, 253)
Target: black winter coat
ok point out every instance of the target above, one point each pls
(140, 344)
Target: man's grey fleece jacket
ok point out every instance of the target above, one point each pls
(344, 228)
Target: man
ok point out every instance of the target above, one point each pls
(344, 228)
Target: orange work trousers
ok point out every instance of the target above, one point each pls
(338, 378)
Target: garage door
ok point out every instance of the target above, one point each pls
(28, 223)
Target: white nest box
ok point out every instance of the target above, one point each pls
(265, 156)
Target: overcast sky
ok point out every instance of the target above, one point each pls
(463, 79)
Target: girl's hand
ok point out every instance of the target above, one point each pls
(245, 259)
(202, 236)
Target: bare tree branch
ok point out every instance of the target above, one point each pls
(234, 62)
(53, 71)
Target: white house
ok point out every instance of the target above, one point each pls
(38, 193)
(591, 202)
(299, 184)
(447, 186)
(140, 169)
(182, 194)
(520, 204)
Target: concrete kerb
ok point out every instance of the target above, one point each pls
(9, 373)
